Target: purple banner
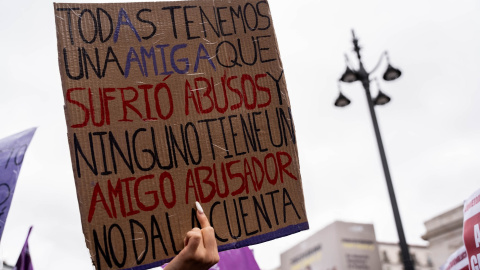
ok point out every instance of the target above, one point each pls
(12, 152)
(233, 259)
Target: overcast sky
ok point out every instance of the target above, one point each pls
(431, 128)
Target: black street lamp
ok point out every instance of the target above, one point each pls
(351, 75)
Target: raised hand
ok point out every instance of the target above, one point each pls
(200, 247)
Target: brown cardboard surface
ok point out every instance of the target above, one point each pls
(168, 103)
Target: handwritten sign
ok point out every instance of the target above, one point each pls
(168, 103)
(12, 152)
(471, 229)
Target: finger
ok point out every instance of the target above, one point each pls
(185, 239)
(193, 240)
(202, 218)
(209, 240)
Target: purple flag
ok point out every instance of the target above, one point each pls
(24, 261)
(236, 259)
(12, 152)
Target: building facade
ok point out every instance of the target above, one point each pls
(6, 267)
(351, 246)
(339, 246)
(444, 234)
(391, 256)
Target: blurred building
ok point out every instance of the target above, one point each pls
(7, 267)
(391, 256)
(444, 234)
(339, 246)
(350, 246)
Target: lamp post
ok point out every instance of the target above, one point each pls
(351, 75)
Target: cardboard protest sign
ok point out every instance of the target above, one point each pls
(12, 152)
(471, 229)
(457, 261)
(168, 103)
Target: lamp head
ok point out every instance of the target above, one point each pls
(391, 73)
(381, 99)
(349, 76)
(342, 101)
